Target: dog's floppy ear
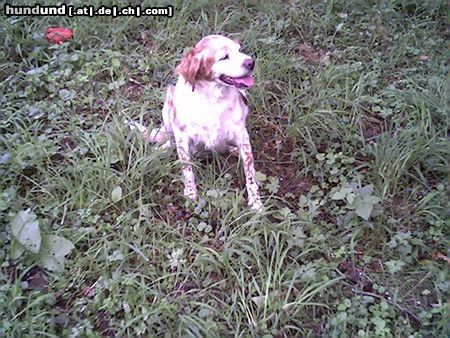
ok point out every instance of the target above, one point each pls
(193, 68)
(189, 66)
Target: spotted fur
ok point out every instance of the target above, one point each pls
(207, 108)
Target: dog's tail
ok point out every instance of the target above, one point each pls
(157, 135)
(160, 135)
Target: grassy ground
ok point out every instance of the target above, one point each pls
(349, 128)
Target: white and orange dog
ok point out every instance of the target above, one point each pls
(208, 108)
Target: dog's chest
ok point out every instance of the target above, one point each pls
(210, 121)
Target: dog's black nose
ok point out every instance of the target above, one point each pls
(249, 64)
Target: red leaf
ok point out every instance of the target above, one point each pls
(58, 35)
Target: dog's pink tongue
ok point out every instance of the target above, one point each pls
(245, 80)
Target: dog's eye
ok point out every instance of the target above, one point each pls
(226, 57)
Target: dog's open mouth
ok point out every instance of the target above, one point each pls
(239, 82)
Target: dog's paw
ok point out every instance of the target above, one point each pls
(256, 204)
(191, 193)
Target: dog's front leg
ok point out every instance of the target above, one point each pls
(245, 150)
(190, 188)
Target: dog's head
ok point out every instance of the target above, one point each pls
(217, 58)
